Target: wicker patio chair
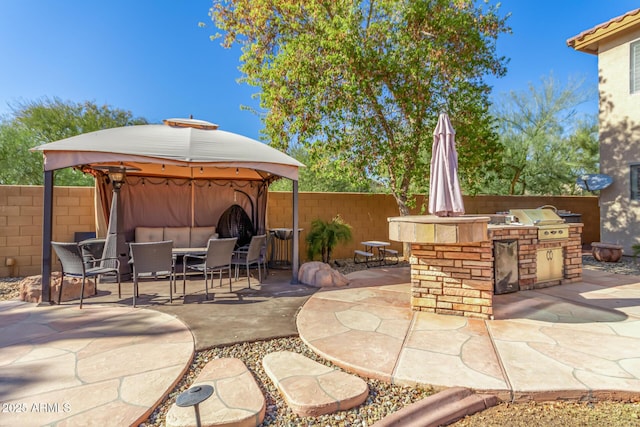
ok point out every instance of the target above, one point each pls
(73, 265)
(253, 254)
(152, 259)
(218, 258)
(92, 251)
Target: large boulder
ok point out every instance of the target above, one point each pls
(320, 275)
(31, 288)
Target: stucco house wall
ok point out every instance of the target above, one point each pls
(619, 124)
(619, 118)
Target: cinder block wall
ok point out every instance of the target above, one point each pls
(21, 218)
(21, 224)
(367, 213)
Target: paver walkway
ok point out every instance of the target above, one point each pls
(580, 340)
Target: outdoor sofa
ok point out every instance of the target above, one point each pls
(182, 237)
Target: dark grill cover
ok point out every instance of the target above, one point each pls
(235, 222)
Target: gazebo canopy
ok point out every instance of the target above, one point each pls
(180, 148)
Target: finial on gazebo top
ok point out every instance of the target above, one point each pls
(190, 123)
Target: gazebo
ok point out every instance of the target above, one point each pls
(184, 172)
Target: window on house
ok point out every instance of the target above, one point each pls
(635, 67)
(635, 182)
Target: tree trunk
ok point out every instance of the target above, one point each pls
(404, 211)
(514, 182)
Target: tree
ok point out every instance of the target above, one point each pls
(38, 122)
(546, 145)
(365, 81)
(586, 146)
(17, 164)
(324, 173)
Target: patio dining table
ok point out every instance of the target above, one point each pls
(184, 252)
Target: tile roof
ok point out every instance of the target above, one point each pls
(588, 40)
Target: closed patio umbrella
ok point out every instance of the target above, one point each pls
(445, 197)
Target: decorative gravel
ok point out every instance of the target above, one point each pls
(383, 399)
(626, 265)
(9, 288)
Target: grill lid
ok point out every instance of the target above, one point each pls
(537, 217)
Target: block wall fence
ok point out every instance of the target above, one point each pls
(73, 210)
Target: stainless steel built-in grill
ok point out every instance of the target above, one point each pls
(550, 225)
(551, 229)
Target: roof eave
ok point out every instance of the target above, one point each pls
(589, 41)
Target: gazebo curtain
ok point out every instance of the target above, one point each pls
(169, 202)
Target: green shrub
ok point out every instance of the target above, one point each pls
(325, 235)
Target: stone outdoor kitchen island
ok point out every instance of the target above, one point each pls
(453, 265)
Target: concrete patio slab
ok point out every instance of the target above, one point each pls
(263, 311)
(111, 364)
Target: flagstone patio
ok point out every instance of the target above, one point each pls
(110, 363)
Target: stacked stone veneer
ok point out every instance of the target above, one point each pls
(455, 278)
(458, 278)
(573, 254)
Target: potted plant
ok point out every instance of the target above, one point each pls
(325, 235)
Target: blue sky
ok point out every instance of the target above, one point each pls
(150, 56)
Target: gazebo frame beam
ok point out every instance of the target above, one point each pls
(47, 232)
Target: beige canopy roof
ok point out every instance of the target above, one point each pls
(180, 148)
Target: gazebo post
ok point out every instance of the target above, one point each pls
(47, 220)
(296, 236)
